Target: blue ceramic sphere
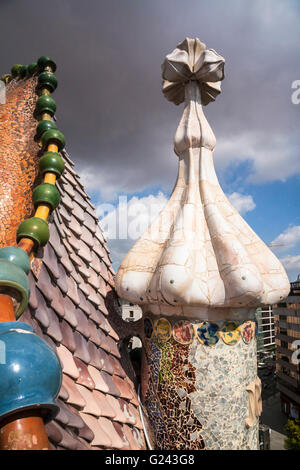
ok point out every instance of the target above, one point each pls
(30, 371)
(17, 256)
(14, 277)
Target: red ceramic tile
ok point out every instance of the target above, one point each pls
(91, 405)
(54, 432)
(128, 431)
(100, 383)
(82, 323)
(125, 391)
(69, 311)
(117, 442)
(101, 437)
(67, 336)
(84, 375)
(114, 404)
(74, 398)
(67, 361)
(108, 407)
(113, 389)
(53, 329)
(119, 429)
(33, 302)
(57, 302)
(82, 351)
(50, 260)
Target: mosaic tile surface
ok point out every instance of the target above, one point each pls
(230, 333)
(248, 332)
(163, 329)
(221, 401)
(208, 333)
(18, 157)
(196, 394)
(183, 332)
(73, 305)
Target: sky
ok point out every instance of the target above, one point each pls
(120, 128)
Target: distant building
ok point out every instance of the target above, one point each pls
(130, 312)
(287, 337)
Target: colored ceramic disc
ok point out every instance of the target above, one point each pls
(183, 332)
(247, 331)
(148, 328)
(163, 329)
(230, 333)
(208, 333)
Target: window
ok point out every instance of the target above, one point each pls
(130, 313)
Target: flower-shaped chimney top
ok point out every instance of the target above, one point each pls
(199, 258)
(192, 61)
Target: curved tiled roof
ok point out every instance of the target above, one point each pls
(74, 307)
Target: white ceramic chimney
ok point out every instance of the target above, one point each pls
(199, 273)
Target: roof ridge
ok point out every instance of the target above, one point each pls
(72, 306)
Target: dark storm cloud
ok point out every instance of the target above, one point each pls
(118, 125)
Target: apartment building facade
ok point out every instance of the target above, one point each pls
(287, 338)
